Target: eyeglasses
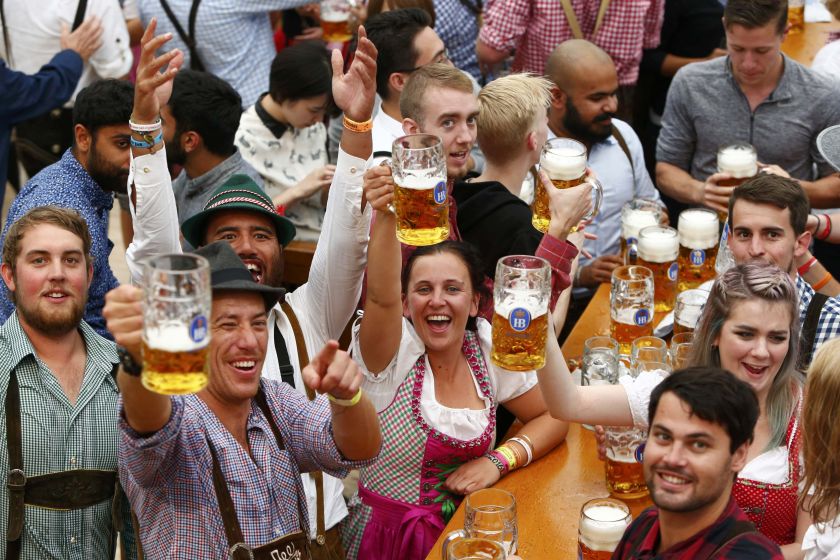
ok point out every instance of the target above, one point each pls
(441, 58)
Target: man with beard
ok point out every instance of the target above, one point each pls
(60, 398)
(702, 422)
(243, 215)
(583, 107)
(767, 217)
(85, 179)
(199, 127)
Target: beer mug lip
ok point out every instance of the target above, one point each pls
(600, 341)
(682, 338)
(643, 204)
(416, 142)
(737, 146)
(523, 262)
(609, 502)
(695, 296)
(487, 546)
(491, 496)
(565, 144)
(632, 272)
(177, 263)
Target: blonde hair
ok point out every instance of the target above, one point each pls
(426, 77)
(747, 282)
(821, 433)
(507, 111)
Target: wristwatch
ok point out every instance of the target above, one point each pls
(129, 365)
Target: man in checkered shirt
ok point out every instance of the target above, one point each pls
(767, 217)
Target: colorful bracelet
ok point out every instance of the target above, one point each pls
(527, 447)
(347, 402)
(498, 461)
(508, 454)
(143, 127)
(149, 141)
(809, 264)
(827, 231)
(822, 282)
(356, 126)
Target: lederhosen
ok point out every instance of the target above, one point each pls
(65, 490)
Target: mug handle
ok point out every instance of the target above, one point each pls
(450, 537)
(599, 195)
(387, 162)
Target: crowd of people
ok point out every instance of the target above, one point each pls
(230, 129)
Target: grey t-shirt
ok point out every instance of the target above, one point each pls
(706, 109)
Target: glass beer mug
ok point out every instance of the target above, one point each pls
(699, 237)
(659, 247)
(688, 309)
(421, 200)
(681, 346)
(521, 294)
(623, 467)
(602, 524)
(740, 161)
(335, 20)
(631, 305)
(564, 161)
(488, 514)
(474, 549)
(176, 332)
(637, 214)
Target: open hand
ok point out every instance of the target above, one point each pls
(85, 40)
(333, 371)
(153, 87)
(354, 91)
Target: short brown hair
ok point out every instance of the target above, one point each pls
(781, 192)
(833, 6)
(756, 13)
(375, 7)
(507, 111)
(427, 77)
(64, 218)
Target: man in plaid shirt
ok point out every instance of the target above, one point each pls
(767, 218)
(701, 426)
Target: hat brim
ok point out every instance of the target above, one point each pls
(270, 295)
(828, 143)
(195, 227)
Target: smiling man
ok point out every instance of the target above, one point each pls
(701, 426)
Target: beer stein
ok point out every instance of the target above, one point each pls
(602, 525)
(489, 514)
(631, 305)
(680, 352)
(421, 200)
(637, 214)
(335, 18)
(600, 361)
(474, 549)
(698, 230)
(564, 161)
(521, 293)
(176, 330)
(659, 247)
(796, 16)
(740, 161)
(623, 468)
(646, 365)
(688, 309)
(649, 349)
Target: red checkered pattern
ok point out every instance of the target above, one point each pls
(535, 27)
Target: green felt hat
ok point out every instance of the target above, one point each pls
(239, 192)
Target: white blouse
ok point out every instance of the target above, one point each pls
(769, 467)
(822, 542)
(461, 423)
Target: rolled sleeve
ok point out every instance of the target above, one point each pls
(505, 22)
(113, 59)
(559, 255)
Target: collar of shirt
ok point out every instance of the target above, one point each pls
(210, 180)
(88, 188)
(277, 128)
(783, 90)
(386, 129)
(648, 546)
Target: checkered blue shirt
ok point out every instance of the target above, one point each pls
(828, 325)
(169, 481)
(457, 26)
(233, 37)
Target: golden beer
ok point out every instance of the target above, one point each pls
(625, 333)
(541, 213)
(679, 328)
(519, 340)
(335, 27)
(740, 161)
(696, 267)
(699, 236)
(564, 161)
(422, 208)
(173, 372)
(796, 16)
(631, 305)
(602, 524)
(475, 549)
(625, 478)
(636, 215)
(658, 250)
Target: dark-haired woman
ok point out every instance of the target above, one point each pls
(284, 138)
(427, 369)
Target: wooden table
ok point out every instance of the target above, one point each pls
(803, 46)
(550, 492)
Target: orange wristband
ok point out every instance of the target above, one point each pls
(822, 282)
(354, 126)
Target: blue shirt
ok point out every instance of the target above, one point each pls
(66, 183)
(23, 97)
(234, 39)
(457, 27)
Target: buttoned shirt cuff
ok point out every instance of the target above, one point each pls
(169, 430)
(350, 171)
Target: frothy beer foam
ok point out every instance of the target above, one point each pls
(420, 179)
(737, 161)
(173, 338)
(698, 229)
(658, 245)
(532, 300)
(335, 16)
(563, 164)
(632, 222)
(601, 527)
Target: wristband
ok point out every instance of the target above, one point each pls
(527, 447)
(129, 365)
(347, 402)
(142, 127)
(149, 142)
(827, 231)
(807, 266)
(508, 454)
(497, 461)
(355, 126)
(822, 282)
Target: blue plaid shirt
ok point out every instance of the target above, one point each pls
(169, 481)
(66, 183)
(457, 27)
(828, 325)
(233, 37)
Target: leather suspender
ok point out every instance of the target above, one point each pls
(17, 479)
(317, 476)
(187, 38)
(624, 148)
(809, 329)
(573, 20)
